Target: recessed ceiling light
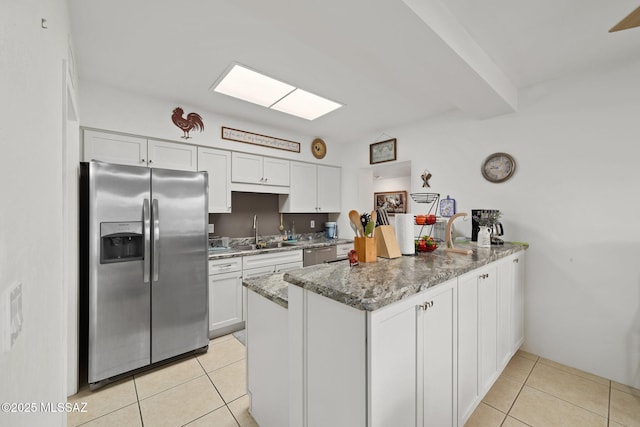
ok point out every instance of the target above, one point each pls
(305, 104)
(249, 85)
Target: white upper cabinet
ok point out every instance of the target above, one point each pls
(276, 171)
(314, 188)
(254, 169)
(302, 191)
(168, 155)
(114, 148)
(217, 163)
(329, 186)
(135, 151)
(246, 168)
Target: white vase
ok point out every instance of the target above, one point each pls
(484, 237)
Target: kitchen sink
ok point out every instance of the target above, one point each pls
(311, 242)
(261, 245)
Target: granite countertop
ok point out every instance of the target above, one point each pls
(271, 286)
(301, 244)
(370, 286)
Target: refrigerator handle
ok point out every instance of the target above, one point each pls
(147, 240)
(156, 238)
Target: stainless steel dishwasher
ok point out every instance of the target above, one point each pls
(315, 256)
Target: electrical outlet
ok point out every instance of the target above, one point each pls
(312, 224)
(211, 228)
(11, 316)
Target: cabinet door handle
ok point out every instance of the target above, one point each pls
(425, 306)
(517, 260)
(484, 276)
(142, 161)
(266, 179)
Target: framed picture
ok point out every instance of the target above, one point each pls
(393, 201)
(384, 151)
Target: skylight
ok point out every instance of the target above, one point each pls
(248, 85)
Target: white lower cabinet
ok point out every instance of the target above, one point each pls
(417, 338)
(261, 264)
(225, 296)
(477, 337)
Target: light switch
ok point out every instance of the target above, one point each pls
(312, 224)
(211, 228)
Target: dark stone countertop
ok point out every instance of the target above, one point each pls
(373, 285)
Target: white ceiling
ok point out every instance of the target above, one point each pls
(391, 62)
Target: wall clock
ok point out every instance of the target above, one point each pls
(498, 167)
(318, 148)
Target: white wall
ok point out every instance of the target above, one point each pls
(116, 110)
(574, 198)
(31, 213)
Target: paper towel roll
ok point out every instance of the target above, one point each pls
(404, 234)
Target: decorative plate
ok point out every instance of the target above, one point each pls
(318, 148)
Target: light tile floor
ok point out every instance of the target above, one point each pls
(209, 390)
(533, 391)
(204, 390)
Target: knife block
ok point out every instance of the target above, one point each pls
(387, 242)
(366, 248)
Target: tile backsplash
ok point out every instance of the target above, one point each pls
(239, 223)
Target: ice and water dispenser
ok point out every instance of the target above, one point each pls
(121, 242)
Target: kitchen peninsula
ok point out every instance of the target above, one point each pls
(410, 341)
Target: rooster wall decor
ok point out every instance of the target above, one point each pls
(193, 121)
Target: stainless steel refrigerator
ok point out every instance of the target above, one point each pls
(144, 266)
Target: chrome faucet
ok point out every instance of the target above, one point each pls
(255, 228)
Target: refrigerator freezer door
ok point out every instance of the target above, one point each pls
(179, 290)
(119, 300)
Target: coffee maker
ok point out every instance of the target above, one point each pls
(496, 229)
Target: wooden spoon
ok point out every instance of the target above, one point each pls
(374, 218)
(354, 216)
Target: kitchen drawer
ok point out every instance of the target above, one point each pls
(225, 265)
(342, 250)
(271, 259)
(280, 268)
(259, 271)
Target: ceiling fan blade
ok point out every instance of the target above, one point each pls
(630, 21)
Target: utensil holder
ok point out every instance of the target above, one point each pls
(387, 244)
(366, 249)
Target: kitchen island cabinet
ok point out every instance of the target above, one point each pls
(477, 337)
(411, 341)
